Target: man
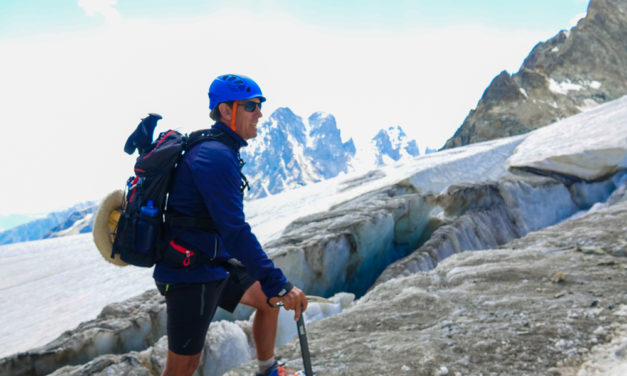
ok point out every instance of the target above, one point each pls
(208, 183)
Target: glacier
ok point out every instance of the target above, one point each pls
(341, 234)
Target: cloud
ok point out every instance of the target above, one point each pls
(104, 8)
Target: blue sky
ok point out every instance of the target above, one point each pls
(27, 17)
(77, 75)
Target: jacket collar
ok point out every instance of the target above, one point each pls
(224, 128)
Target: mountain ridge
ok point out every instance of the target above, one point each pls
(291, 152)
(575, 70)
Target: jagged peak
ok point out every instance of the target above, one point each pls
(284, 114)
(393, 133)
(321, 116)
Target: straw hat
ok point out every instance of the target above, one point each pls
(105, 224)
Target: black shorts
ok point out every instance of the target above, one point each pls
(191, 306)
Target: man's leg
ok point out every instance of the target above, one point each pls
(180, 365)
(265, 322)
(190, 308)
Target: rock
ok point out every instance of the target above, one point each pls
(488, 312)
(127, 364)
(576, 70)
(558, 277)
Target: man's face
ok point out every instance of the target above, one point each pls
(246, 120)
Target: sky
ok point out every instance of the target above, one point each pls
(76, 76)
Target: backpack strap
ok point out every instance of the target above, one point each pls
(199, 136)
(202, 223)
(211, 134)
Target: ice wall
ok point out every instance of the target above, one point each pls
(349, 246)
(345, 248)
(484, 216)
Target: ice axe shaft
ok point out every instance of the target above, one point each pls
(304, 346)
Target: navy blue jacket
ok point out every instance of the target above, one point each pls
(207, 183)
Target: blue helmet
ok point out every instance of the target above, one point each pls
(233, 87)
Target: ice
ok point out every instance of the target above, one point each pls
(226, 347)
(228, 344)
(590, 145)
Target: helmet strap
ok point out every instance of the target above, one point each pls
(233, 112)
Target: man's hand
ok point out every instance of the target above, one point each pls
(295, 300)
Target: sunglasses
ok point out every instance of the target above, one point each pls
(251, 106)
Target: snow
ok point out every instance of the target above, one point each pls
(594, 84)
(588, 104)
(52, 285)
(563, 87)
(589, 145)
(65, 278)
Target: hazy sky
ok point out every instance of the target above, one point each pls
(76, 76)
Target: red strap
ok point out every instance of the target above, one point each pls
(233, 116)
(180, 248)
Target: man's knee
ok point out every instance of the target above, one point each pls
(254, 297)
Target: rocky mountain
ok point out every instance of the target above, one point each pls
(575, 70)
(392, 145)
(79, 221)
(289, 152)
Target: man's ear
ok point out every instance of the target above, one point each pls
(226, 111)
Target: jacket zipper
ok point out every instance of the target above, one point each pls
(183, 250)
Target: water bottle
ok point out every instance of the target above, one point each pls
(146, 227)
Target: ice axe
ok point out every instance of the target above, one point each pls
(302, 337)
(304, 346)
